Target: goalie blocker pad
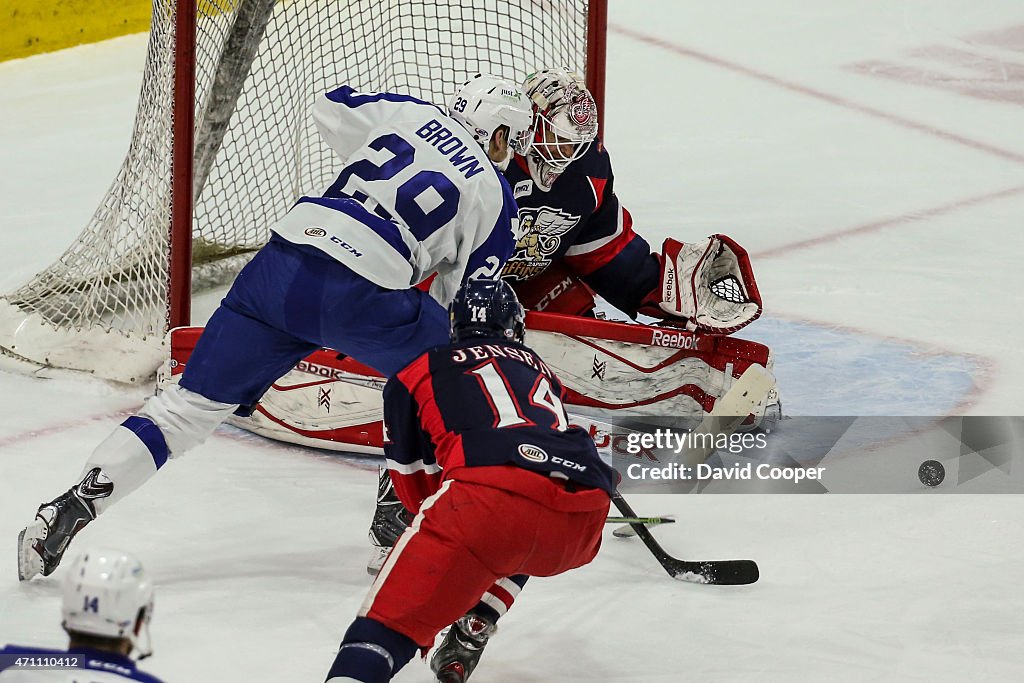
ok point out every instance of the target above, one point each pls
(333, 402)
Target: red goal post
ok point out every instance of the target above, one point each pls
(223, 144)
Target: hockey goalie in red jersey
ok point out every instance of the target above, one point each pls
(480, 450)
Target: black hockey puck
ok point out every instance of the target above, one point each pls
(931, 473)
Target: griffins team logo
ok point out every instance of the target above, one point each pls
(315, 232)
(543, 230)
(533, 453)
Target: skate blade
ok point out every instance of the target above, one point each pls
(29, 562)
(377, 558)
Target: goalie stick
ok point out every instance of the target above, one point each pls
(729, 412)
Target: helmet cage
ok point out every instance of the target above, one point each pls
(564, 117)
(549, 139)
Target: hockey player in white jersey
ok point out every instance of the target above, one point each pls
(108, 602)
(418, 195)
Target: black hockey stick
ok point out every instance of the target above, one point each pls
(649, 521)
(730, 410)
(626, 531)
(719, 572)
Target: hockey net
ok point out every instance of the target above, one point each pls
(103, 306)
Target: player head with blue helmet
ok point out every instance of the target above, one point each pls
(486, 308)
(108, 602)
(496, 113)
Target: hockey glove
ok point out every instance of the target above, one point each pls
(707, 286)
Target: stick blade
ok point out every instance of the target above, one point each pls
(715, 572)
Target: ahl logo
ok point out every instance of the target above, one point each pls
(324, 398)
(315, 232)
(598, 368)
(533, 453)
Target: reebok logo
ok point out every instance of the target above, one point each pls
(678, 340)
(668, 292)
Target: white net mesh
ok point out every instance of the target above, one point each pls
(102, 306)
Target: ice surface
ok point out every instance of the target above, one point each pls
(871, 157)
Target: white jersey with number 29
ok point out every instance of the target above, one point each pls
(416, 195)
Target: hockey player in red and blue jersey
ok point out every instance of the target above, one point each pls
(480, 450)
(577, 239)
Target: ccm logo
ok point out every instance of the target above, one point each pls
(568, 464)
(533, 453)
(678, 340)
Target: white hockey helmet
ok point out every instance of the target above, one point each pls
(107, 594)
(564, 117)
(484, 103)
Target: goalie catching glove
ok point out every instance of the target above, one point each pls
(708, 286)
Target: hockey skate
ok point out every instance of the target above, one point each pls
(42, 543)
(390, 520)
(456, 657)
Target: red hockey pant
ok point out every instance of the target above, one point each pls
(469, 535)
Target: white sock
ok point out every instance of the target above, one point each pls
(124, 460)
(168, 425)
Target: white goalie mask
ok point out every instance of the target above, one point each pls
(485, 103)
(564, 120)
(107, 594)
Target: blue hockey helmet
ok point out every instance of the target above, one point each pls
(486, 308)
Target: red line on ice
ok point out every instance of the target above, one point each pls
(63, 427)
(817, 94)
(889, 222)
